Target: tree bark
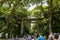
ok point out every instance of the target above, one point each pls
(49, 19)
(50, 16)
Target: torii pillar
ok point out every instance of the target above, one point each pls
(22, 27)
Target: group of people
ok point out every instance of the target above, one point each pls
(41, 37)
(29, 37)
(52, 36)
(32, 37)
(55, 36)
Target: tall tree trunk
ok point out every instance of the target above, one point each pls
(50, 16)
(49, 19)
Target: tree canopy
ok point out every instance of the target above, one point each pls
(15, 19)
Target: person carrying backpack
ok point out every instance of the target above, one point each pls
(51, 36)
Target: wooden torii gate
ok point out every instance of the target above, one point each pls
(27, 19)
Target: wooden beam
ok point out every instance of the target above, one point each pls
(30, 19)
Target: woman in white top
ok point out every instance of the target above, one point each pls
(51, 36)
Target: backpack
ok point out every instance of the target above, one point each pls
(51, 38)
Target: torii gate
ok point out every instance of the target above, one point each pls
(27, 19)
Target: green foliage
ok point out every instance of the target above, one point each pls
(13, 11)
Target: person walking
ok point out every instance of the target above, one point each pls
(32, 37)
(27, 37)
(16, 38)
(51, 36)
(40, 37)
(56, 36)
(59, 36)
